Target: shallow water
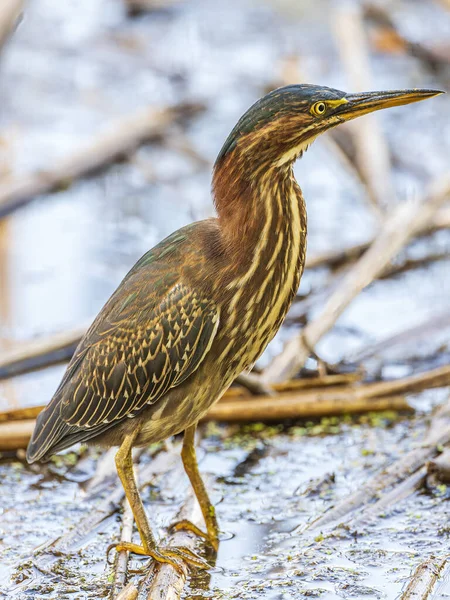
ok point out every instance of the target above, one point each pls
(71, 70)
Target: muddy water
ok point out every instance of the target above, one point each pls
(70, 71)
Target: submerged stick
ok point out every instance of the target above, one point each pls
(393, 475)
(121, 562)
(424, 579)
(40, 353)
(123, 138)
(397, 230)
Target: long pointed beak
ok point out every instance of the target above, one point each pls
(367, 102)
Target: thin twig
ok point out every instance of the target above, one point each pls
(254, 384)
(372, 153)
(120, 140)
(413, 263)
(294, 384)
(397, 230)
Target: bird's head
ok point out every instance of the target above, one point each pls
(281, 125)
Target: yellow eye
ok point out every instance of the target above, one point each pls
(318, 109)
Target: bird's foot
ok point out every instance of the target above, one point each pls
(172, 555)
(185, 525)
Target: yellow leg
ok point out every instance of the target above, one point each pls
(189, 458)
(171, 555)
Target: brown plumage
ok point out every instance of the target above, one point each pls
(202, 305)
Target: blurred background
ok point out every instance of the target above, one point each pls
(79, 75)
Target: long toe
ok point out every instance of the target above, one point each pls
(185, 525)
(173, 555)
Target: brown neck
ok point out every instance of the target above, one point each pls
(255, 202)
(262, 219)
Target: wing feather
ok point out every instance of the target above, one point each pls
(124, 364)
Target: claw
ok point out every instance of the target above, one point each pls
(172, 555)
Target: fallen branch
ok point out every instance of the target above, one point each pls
(123, 138)
(357, 398)
(315, 402)
(393, 475)
(288, 406)
(424, 579)
(20, 414)
(121, 562)
(397, 230)
(10, 13)
(310, 403)
(372, 153)
(31, 412)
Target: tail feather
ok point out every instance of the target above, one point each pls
(49, 429)
(52, 434)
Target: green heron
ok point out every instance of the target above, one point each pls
(201, 307)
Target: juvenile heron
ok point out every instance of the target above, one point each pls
(201, 306)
